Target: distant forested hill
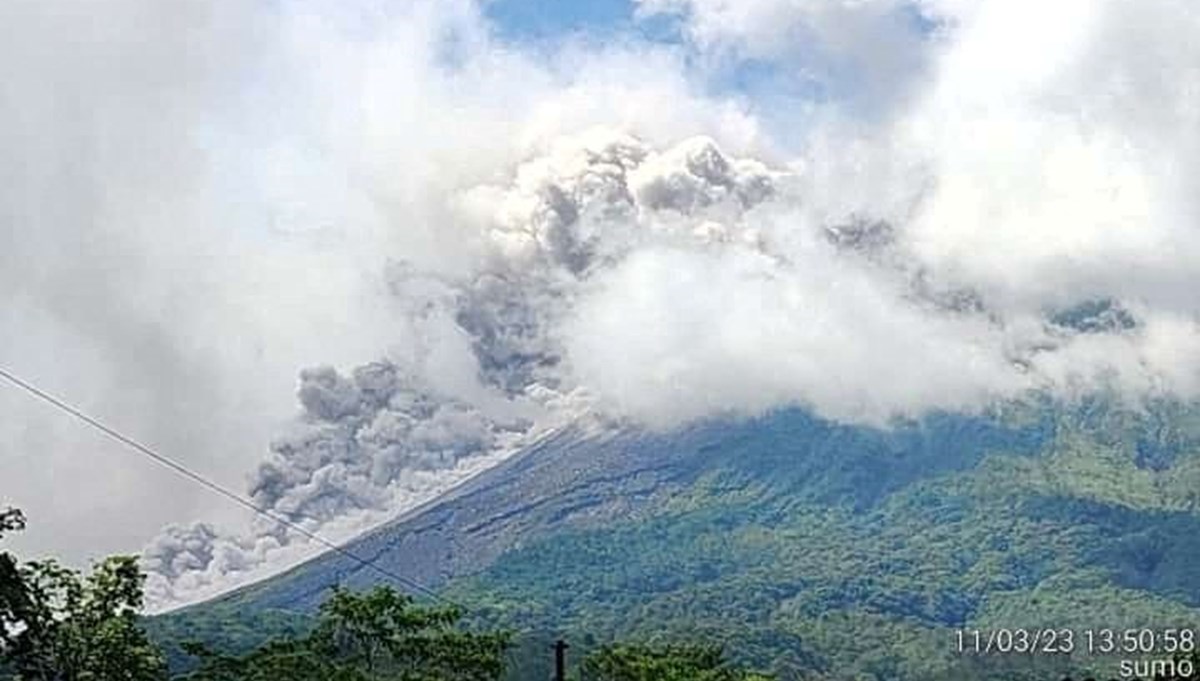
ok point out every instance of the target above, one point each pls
(812, 549)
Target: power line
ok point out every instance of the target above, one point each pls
(188, 473)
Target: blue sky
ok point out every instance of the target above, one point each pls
(783, 92)
(524, 19)
(776, 92)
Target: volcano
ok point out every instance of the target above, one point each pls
(809, 548)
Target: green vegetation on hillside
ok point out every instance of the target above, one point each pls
(810, 550)
(667, 663)
(1097, 527)
(379, 635)
(58, 625)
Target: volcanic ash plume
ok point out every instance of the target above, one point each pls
(653, 287)
(387, 436)
(364, 445)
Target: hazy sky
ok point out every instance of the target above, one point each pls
(488, 219)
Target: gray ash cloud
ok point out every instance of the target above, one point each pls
(362, 437)
(652, 285)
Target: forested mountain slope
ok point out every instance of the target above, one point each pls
(808, 547)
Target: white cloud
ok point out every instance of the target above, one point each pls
(194, 214)
(200, 202)
(867, 55)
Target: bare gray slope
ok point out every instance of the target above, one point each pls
(575, 479)
(567, 478)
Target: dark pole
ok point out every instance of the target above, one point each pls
(560, 660)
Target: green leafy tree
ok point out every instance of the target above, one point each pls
(13, 600)
(367, 637)
(58, 624)
(623, 662)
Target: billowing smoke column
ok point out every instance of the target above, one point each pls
(358, 435)
(385, 437)
(364, 443)
(576, 214)
(656, 287)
